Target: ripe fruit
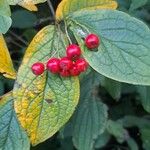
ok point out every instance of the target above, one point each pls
(81, 65)
(73, 51)
(53, 65)
(65, 63)
(74, 71)
(92, 41)
(64, 73)
(38, 68)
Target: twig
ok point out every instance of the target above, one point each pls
(17, 44)
(68, 35)
(51, 8)
(18, 37)
(43, 20)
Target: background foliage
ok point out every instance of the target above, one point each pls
(112, 116)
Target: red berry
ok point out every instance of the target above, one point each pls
(92, 41)
(53, 65)
(81, 65)
(38, 68)
(64, 73)
(73, 51)
(74, 71)
(65, 63)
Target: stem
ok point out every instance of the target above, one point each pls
(51, 8)
(43, 20)
(67, 34)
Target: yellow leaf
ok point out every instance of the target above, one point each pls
(6, 66)
(69, 6)
(44, 103)
(28, 4)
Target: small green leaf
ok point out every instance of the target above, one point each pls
(5, 23)
(66, 144)
(102, 140)
(117, 130)
(145, 135)
(144, 127)
(4, 8)
(130, 121)
(136, 4)
(144, 92)
(5, 20)
(124, 52)
(113, 87)
(44, 103)
(132, 144)
(66, 131)
(12, 136)
(90, 118)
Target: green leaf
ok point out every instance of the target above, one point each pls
(19, 21)
(4, 8)
(145, 135)
(68, 6)
(102, 140)
(144, 92)
(117, 130)
(67, 130)
(144, 127)
(113, 87)
(132, 144)
(44, 103)
(90, 118)
(5, 23)
(130, 121)
(124, 52)
(136, 4)
(5, 20)
(12, 136)
(66, 144)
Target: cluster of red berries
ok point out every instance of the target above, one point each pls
(72, 64)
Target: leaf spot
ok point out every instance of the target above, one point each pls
(49, 101)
